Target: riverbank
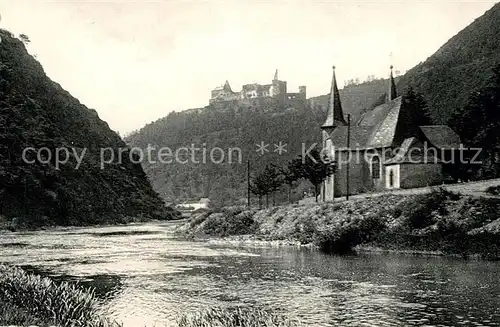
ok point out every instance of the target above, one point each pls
(439, 222)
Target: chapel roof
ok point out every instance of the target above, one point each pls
(441, 136)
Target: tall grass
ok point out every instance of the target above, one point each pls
(236, 317)
(30, 299)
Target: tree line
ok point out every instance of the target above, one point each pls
(314, 167)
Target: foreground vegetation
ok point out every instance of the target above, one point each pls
(439, 221)
(27, 299)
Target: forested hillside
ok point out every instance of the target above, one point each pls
(357, 98)
(36, 112)
(234, 126)
(462, 65)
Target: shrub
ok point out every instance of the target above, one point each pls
(305, 230)
(420, 211)
(229, 222)
(24, 297)
(347, 233)
(493, 190)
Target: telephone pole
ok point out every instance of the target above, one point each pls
(248, 183)
(349, 154)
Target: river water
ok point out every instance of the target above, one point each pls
(147, 276)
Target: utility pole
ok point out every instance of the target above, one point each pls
(248, 183)
(349, 154)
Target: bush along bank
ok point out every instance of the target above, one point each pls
(439, 221)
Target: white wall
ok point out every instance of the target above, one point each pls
(396, 170)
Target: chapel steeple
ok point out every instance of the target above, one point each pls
(335, 116)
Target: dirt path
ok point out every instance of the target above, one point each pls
(472, 188)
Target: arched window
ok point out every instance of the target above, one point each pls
(375, 167)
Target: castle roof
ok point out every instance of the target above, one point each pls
(226, 87)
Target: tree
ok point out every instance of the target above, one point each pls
(260, 187)
(314, 167)
(267, 182)
(478, 123)
(274, 178)
(417, 108)
(290, 175)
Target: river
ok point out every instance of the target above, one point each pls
(147, 276)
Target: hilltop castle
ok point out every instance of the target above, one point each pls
(277, 89)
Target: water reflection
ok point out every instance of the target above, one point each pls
(149, 277)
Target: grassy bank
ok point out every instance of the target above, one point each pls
(440, 221)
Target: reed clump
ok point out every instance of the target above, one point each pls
(236, 317)
(34, 300)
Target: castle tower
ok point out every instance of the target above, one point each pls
(278, 88)
(392, 94)
(302, 91)
(335, 116)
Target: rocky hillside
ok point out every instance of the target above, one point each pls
(36, 112)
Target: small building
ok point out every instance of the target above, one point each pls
(389, 147)
(203, 203)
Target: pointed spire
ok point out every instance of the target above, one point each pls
(392, 88)
(335, 116)
(275, 75)
(227, 87)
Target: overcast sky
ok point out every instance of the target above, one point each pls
(135, 61)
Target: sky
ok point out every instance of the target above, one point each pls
(136, 61)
